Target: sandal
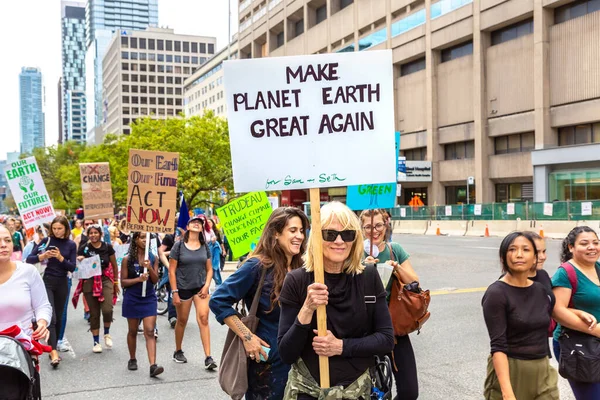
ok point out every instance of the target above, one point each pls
(54, 362)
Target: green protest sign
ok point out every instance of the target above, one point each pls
(243, 220)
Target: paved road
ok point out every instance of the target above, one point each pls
(451, 350)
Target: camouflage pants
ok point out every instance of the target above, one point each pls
(301, 381)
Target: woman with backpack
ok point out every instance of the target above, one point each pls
(135, 270)
(99, 290)
(378, 230)
(576, 285)
(190, 275)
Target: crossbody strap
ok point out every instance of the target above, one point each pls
(256, 299)
(392, 257)
(572, 275)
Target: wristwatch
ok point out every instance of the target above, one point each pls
(174, 291)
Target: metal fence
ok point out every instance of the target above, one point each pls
(555, 211)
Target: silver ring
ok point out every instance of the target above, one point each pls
(251, 355)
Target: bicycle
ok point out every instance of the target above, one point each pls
(162, 292)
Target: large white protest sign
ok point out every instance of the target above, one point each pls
(29, 192)
(301, 122)
(88, 268)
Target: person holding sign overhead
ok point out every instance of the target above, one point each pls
(358, 320)
(99, 290)
(135, 270)
(190, 275)
(377, 230)
(60, 252)
(279, 251)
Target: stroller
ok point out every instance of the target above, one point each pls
(19, 377)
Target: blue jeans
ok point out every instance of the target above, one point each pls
(582, 391)
(63, 326)
(217, 276)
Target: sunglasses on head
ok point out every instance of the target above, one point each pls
(330, 235)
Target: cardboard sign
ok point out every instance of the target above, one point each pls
(510, 208)
(548, 209)
(368, 197)
(477, 209)
(243, 221)
(29, 192)
(152, 191)
(586, 208)
(96, 191)
(320, 107)
(88, 268)
(448, 210)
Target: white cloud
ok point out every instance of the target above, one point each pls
(32, 37)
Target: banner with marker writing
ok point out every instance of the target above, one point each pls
(152, 191)
(311, 121)
(29, 191)
(96, 190)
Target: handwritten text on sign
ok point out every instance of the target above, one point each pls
(96, 190)
(301, 116)
(243, 221)
(29, 192)
(368, 197)
(152, 191)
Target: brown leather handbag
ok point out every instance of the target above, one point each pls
(233, 373)
(409, 310)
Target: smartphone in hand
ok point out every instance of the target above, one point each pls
(267, 350)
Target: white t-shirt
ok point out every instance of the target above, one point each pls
(22, 297)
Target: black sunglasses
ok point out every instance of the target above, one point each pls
(330, 235)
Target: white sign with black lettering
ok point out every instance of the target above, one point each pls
(294, 121)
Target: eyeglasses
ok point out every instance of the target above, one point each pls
(330, 235)
(377, 227)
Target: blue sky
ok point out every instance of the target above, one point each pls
(31, 37)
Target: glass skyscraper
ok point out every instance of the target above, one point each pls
(73, 101)
(31, 92)
(103, 18)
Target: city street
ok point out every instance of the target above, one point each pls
(451, 350)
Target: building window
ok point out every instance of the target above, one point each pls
(186, 47)
(150, 44)
(194, 47)
(142, 43)
(202, 47)
(321, 13)
(512, 32)
(514, 192)
(345, 3)
(514, 143)
(124, 42)
(458, 194)
(575, 9)
(160, 44)
(578, 185)
(299, 28)
(459, 150)
(418, 154)
(177, 45)
(169, 45)
(133, 43)
(579, 134)
(124, 66)
(412, 67)
(458, 51)
(125, 55)
(125, 88)
(211, 48)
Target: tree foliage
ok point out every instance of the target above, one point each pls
(201, 141)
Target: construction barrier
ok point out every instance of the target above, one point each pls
(447, 228)
(495, 228)
(414, 227)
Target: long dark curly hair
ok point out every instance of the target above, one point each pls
(570, 240)
(271, 255)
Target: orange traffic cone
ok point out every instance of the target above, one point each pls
(487, 231)
(437, 231)
(541, 230)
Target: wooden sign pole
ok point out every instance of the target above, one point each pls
(315, 212)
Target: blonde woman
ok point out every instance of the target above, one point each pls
(358, 320)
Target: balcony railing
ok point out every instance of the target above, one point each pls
(259, 14)
(373, 39)
(245, 4)
(245, 25)
(274, 3)
(408, 23)
(445, 6)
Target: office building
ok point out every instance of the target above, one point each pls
(506, 91)
(204, 90)
(73, 104)
(103, 19)
(143, 74)
(31, 92)
(60, 121)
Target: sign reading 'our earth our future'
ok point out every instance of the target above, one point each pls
(307, 115)
(29, 192)
(243, 220)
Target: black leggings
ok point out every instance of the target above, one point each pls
(407, 382)
(58, 293)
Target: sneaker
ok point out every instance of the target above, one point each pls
(140, 328)
(108, 341)
(173, 322)
(178, 357)
(97, 348)
(209, 363)
(132, 365)
(156, 370)
(63, 346)
(155, 333)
